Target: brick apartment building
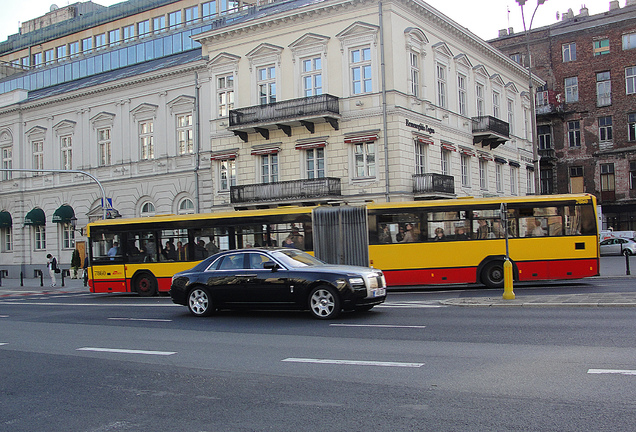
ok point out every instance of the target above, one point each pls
(586, 111)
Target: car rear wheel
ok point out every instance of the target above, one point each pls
(627, 252)
(145, 284)
(493, 275)
(324, 302)
(200, 302)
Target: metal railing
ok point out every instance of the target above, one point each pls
(294, 189)
(490, 124)
(431, 182)
(302, 107)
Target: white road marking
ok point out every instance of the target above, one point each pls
(412, 304)
(353, 362)
(612, 371)
(4, 316)
(141, 319)
(91, 304)
(379, 326)
(3, 343)
(127, 351)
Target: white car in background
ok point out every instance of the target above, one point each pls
(618, 246)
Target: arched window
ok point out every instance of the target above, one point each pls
(147, 209)
(186, 206)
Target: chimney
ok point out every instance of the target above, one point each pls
(630, 2)
(584, 12)
(614, 5)
(510, 31)
(503, 32)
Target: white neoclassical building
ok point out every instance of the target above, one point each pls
(191, 106)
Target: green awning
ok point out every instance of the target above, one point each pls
(63, 214)
(35, 217)
(5, 219)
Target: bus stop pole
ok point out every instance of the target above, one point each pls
(508, 293)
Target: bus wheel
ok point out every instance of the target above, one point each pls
(324, 302)
(493, 275)
(200, 302)
(145, 284)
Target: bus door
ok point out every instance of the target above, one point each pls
(107, 263)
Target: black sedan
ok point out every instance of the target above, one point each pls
(276, 278)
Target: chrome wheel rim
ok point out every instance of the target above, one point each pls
(199, 301)
(322, 303)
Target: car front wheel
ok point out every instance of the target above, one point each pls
(200, 302)
(324, 302)
(627, 252)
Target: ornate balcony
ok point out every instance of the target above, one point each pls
(490, 131)
(433, 183)
(326, 187)
(285, 115)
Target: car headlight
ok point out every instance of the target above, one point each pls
(356, 281)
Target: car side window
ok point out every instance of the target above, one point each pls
(257, 260)
(232, 262)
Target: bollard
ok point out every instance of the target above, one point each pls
(627, 272)
(508, 293)
(41, 277)
(21, 279)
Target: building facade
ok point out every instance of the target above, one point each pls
(189, 106)
(586, 111)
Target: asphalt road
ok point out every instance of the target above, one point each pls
(81, 362)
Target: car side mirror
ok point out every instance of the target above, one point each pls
(270, 265)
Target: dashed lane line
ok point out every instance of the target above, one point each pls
(353, 362)
(127, 351)
(378, 325)
(612, 371)
(140, 319)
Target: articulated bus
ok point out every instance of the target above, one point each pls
(415, 243)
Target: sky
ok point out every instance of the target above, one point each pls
(482, 17)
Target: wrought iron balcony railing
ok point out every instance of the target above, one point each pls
(489, 130)
(312, 106)
(433, 183)
(295, 189)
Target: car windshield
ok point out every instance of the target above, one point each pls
(295, 259)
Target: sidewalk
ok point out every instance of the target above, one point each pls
(31, 286)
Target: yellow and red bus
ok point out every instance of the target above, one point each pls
(415, 243)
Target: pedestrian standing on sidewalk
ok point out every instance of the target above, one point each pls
(51, 264)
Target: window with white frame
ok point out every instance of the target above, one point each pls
(68, 236)
(445, 162)
(185, 134)
(605, 128)
(225, 94)
(174, 19)
(227, 174)
(209, 9)
(73, 49)
(7, 239)
(159, 24)
(441, 85)
(421, 150)
(364, 159)
(104, 146)
(143, 28)
(38, 156)
(146, 139)
(311, 76)
(629, 41)
(114, 37)
(569, 52)
(514, 173)
(66, 144)
(38, 59)
(228, 6)
(574, 133)
(315, 162)
(129, 32)
(499, 177)
(479, 96)
(60, 53)
(49, 56)
(191, 14)
(87, 45)
(461, 93)
(496, 104)
(483, 174)
(100, 41)
(511, 115)
(266, 84)
(7, 162)
(465, 169)
(414, 75)
(147, 209)
(39, 232)
(544, 135)
(186, 206)
(530, 181)
(572, 89)
(603, 89)
(630, 80)
(360, 66)
(269, 168)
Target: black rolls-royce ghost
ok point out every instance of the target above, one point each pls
(276, 278)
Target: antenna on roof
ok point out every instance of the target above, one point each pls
(53, 7)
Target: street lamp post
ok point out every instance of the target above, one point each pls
(533, 115)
